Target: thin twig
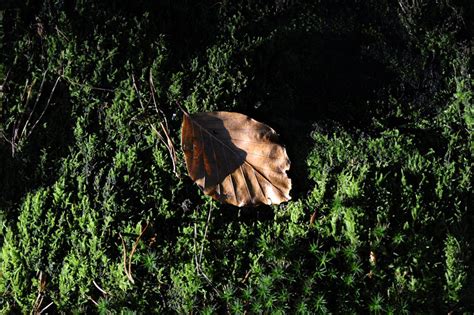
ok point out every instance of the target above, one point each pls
(164, 124)
(199, 261)
(40, 296)
(195, 248)
(205, 232)
(45, 308)
(170, 147)
(5, 138)
(128, 271)
(25, 90)
(90, 298)
(16, 127)
(88, 86)
(36, 102)
(247, 274)
(61, 33)
(134, 248)
(125, 260)
(134, 84)
(37, 304)
(182, 109)
(153, 91)
(45, 107)
(99, 288)
(158, 134)
(165, 127)
(5, 80)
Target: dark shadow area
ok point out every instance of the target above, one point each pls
(427, 139)
(244, 215)
(339, 72)
(38, 161)
(465, 233)
(187, 26)
(11, 176)
(308, 79)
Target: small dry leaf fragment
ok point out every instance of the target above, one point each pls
(313, 218)
(235, 159)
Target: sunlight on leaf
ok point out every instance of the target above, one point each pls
(235, 159)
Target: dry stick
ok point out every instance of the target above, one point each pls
(46, 107)
(170, 148)
(4, 137)
(164, 127)
(205, 232)
(201, 272)
(36, 102)
(198, 261)
(247, 274)
(45, 308)
(38, 302)
(125, 260)
(61, 33)
(89, 86)
(153, 90)
(25, 90)
(40, 296)
(128, 271)
(134, 248)
(90, 298)
(14, 137)
(182, 109)
(17, 124)
(99, 288)
(138, 92)
(24, 130)
(158, 134)
(168, 143)
(195, 251)
(5, 80)
(142, 106)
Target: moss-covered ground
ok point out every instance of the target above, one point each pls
(372, 99)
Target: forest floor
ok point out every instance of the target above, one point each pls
(372, 99)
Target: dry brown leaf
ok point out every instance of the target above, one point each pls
(235, 159)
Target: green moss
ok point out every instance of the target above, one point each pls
(372, 100)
